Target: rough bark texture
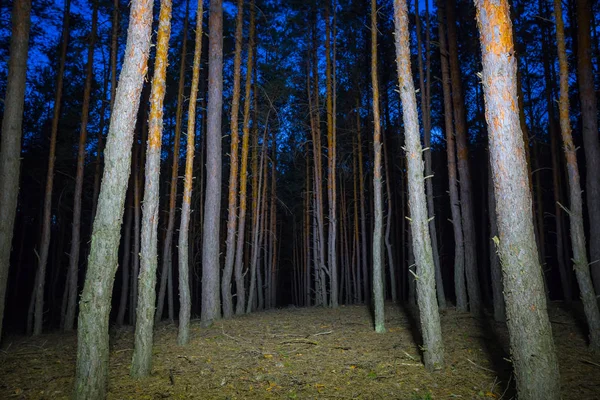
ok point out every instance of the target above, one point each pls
(233, 168)
(141, 363)
(46, 219)
(532, 347)
(239, 253)
(495, 267)
(185, 303)
(591, 142)
(94, 307)
(466, 201)
(460, 288)
(76, 227)
(211, 307)
(433, 354)
(580, 260)
(10, 153)
(378, 286)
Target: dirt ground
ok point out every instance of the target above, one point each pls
(298, 353)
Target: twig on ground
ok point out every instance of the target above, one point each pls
(321, 333)
(300, 341)
(590, 362)
(479, 366)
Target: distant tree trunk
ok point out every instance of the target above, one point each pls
(580, 260)
(46, 219)
(76, 228)
(331, 166)
(532, 347)
(495, 267)
(307, 284)
(185, 303)
(388, 224)
(141, 363)
(211, 307)
(433, 354)
(591, 142)
(363, 214)
(233, 170)
(459, 250)
(425, 88)
(10, 148)
(136, 232)
(239, 253)
(125, 262)
(357, 282)
(378, 286)
(94, 307)
(466, 201)
(167, 254)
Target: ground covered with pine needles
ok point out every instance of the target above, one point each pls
(295, 353)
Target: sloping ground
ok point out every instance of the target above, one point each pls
(302, 354)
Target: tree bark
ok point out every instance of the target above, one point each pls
(125, 262)
(94, 307)
(531, 343)
(10, 148)
(428, 307)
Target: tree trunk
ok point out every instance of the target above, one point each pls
(10, 149)
(135, 265)
(141, 364)
(363, 214)
(459, 250)
(233, 171)
(211, 307)
(76, 228)
(462, 150)
(580, 260)
(185, 303)
(125, 262)
(94, 307)
(495, 267)
(388, 224)
(433, 354)
(532, 347)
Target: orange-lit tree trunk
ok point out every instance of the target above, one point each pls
(185, 302)
(428, 306)
(94, 308)
(211, 307)
(141, 364)
(233, 169)
(46, 218)
(378, 270)
(76, 227)
(10, 149)
(591, 142)
(239, 253)
(459, 250)
(167, 253)
(580, 260)
(531, 343)
(464, 172)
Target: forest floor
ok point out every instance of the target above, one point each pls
(298, 353)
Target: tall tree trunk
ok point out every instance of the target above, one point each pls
(10, 148)
(76, 228)
(185, 303)
(46, 219)
(239, 253)
(378, 269)
(433, 354)
(580, 260)
(388, 224)
(135, 265)
(141, 364)
(462, 150)
(532, 347)
(363, 214)
(167, 254)
(459, 250)
(94, 307)
(125, 262)
(591, 142)
(495, 267)
(211, 307)
(233, 169)
(357, 283)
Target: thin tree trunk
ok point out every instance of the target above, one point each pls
(433, 354)
(125, 262)
(141, 364)
(185, 303)
(10, 148)
(495, 267)
(136, 232)
(580, 260)
(76, 228)
(211, 307)
(233, 171)
(363, 214)
(388, 225)
(532, 347)
(357, 281)
(92, 344)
